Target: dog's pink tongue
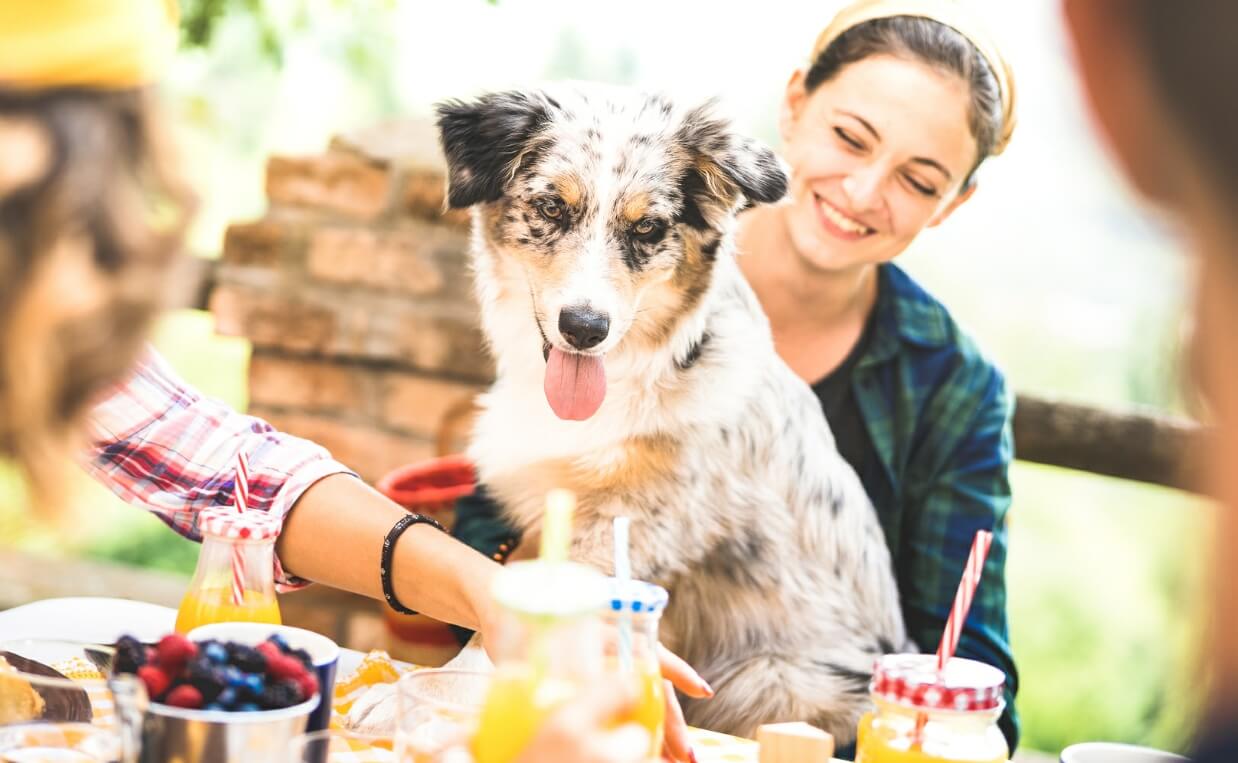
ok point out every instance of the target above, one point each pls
(575, 384)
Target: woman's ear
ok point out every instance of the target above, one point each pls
(962, 196)
(792, 105)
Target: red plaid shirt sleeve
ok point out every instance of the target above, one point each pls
(157, 443)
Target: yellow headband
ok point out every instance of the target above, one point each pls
(948, 13)
(102, 44)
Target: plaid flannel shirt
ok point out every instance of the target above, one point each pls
(939, 417)
(157, 443)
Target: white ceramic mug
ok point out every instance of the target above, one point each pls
(1111, 752)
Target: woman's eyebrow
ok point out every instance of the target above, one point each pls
(877, 136)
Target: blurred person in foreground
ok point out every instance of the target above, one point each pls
(1160, 79)
(92, 216)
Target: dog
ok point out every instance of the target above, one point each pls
(636, 368)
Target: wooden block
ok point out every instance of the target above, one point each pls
(794, 743)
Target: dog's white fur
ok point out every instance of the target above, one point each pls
(782, 588)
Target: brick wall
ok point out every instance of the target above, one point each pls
(355, 292)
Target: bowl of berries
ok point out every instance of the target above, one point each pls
(221, 699)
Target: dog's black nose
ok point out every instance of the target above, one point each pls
(583, 327)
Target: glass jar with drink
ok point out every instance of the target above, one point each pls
(923, 715)
(634, 610)
(548, 644)
(235, 576)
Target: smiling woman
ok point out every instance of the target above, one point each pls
(883, 129)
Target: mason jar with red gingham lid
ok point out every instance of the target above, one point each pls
(922, 715)
(235, 576)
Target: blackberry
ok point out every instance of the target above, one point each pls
(279, 641)
(207, 678)
(304, 657)
(282, 694)
(130, 655)
(248, 659)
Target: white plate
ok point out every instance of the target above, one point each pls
(100, 620)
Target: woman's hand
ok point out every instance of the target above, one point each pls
(584, 731)
(679, 674)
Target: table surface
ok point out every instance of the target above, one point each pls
(104, 620)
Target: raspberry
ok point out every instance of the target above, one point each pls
(184, 696)
(285, 668)
(174, 651)
(157, 682)
(309, 685)
(269, 650)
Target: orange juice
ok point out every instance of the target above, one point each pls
(237, 547)
(650, 709)
(202, 606)
(885, 746)
(926, 714)
(517, 704)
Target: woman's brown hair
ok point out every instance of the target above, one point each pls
(933, 44)
(91, 218)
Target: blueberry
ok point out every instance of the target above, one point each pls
(248, 707)
(216, 653)
(214, 706)
(227, 698)
(278, 641)
(254, 684)
(234, 677)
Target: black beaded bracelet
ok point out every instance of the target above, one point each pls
(406, 521)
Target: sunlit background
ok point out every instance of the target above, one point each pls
(1074, 289)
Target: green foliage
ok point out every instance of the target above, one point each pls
(141, 540)
(201, 18)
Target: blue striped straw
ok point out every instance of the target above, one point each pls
(623, 573)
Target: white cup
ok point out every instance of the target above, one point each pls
(1111, 752)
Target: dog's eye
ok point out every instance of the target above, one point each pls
(551, 209)
(646, 227)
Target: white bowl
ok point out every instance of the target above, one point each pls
(1112, 752)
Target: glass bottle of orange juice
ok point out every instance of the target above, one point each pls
(925, 716)
(633, 612)
(235, 577)
(548, 643)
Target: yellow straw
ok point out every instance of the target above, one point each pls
(557, 526)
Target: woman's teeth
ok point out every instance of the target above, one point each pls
(841, 220)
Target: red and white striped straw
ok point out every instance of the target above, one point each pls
(240, 496)
(958, 613)
(963, 597)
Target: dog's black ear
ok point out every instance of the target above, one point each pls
(483, 141)
(730, 163)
